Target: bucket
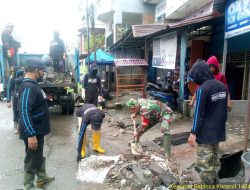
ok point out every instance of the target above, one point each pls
(246, 160)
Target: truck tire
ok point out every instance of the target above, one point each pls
(68, 107)
(71, 107)
(64, 107)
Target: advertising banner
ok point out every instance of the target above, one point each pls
(237, 18)
(164, 51)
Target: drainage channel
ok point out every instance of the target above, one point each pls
(231, 163)
(176, 139)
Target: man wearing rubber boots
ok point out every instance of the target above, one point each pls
(90, 114)
(34, 124)
(152, 112)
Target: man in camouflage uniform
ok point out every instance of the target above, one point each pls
(151, 112)
(209, 121)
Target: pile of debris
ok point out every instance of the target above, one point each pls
(149, 171)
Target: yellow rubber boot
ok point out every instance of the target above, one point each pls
(83, 152)
(96, 135)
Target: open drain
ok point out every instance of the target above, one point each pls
(176, 139)
(230, 165)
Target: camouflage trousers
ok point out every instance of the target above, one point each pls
(208, 163)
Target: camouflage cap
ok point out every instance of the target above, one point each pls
(132, 103)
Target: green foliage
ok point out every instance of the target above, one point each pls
(99, 42)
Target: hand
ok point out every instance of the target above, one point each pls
(192, 140)
(229, 106)
(135, 135)
(100, 98)
(32, 143)
(133, 116)
(64, 56)
(191, 104)
(9, 104)
(9, 53)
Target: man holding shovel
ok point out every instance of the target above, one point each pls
(151, 112)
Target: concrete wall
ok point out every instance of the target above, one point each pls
(239, 108)
(132, 6)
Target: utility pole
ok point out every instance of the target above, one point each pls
(92, 22)
(247, 119)
(87, 19)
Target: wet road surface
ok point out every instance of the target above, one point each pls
(59, 150)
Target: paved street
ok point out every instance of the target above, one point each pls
(60, 151)
(60, 147)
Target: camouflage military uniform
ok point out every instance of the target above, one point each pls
(208, 163)
(152, 112)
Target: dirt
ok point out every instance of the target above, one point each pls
(100, 164)
(179, 167)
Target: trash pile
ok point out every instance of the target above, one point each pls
(149, 171)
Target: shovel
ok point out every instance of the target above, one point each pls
(136, 148)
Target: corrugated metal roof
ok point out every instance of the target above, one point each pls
(130, 62)
(195, 20)
(128, 41)
(144, 30)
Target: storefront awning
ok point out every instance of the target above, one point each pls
(130, 62)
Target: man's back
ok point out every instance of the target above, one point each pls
(57, 49)
(211, 112)
(211, 106)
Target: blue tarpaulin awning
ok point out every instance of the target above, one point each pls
(102, 58)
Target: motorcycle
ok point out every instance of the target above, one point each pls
(169, 98)
(162, 84)
(186, 89)
(169, 94)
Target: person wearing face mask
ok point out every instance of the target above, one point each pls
(34, 124)
(92, 85)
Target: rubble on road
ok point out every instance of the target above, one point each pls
(149, 171)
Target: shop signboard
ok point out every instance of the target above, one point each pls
(164, 51)
(237, 18)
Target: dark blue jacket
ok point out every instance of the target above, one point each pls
(211, 105)
(87, 111)
(92, 83)
(33, 110)
(13, 91)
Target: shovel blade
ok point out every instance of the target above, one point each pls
(136, 149)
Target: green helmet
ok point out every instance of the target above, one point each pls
(132, 103)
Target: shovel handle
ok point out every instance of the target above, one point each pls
(135, 131)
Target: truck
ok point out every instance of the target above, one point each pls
(57, 94)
